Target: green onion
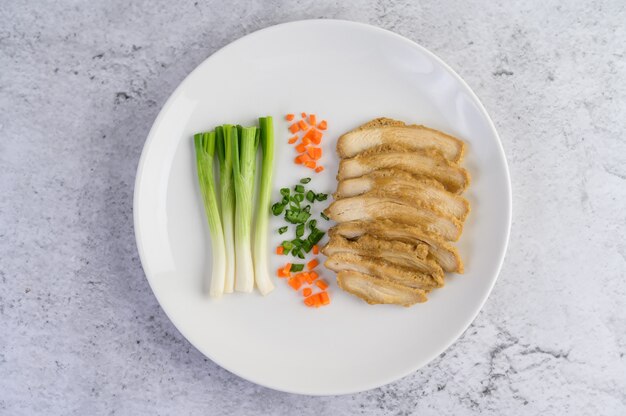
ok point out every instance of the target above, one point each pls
(297, 267)
(284, 191)
(324, 216)
(307, 208)
(266, 140)
(224, 151)
(305, 180)
(312, 224)
(244, 145)
(321, 197)
(204, 144)
(315, 236)
(300, 230)
(299, 197)
(310, 196)
(299, 189)
(283, 230)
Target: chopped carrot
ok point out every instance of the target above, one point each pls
(281, 273)
(287, 268)
(303, 115)
(310, 164)
(293, 140)
(312, 264)
(294, 128)
(294, 283)
(289, 117)
(312, 119)
(323, 125)
(310, 301)
(302, 159)
(319, 169)
(324, 298)
(301, 148)
(302, 124)
(306, 292)
(306, 140)
(316, 249)
(313, 275)
(307, 277)
(321, 283)
(314, 152)
(280, 250)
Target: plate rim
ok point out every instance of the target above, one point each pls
(501, 255)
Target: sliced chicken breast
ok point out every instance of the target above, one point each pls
(378, 291)
(384, 131)
(407, 188)
(366, 207)
(394, 252)
(426, 163)
(380, 268)
(441, 251)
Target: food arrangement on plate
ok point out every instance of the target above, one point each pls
(397, 208)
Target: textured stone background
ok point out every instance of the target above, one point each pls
(80, 85)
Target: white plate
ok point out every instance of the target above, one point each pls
(347, 73)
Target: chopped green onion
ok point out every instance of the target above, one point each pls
(305, 180)
(299, 197)
(285, 200)
(310, 196)
(277, 209)
(287, 245)
(321, 197)
(297, 267)
(283, 230)
(300, 230)
(307, 208)
(312, 224)
(284, 191)
(315, 236)
(324, 216)
(299, 189)
(300, 254)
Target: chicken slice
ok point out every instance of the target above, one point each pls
(427, 163)
(366, 207)
(377, 291)
(380, 268)
(445, 254)
(407, 188)
(384, 131)
(394, 252)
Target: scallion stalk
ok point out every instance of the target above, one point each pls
(244, 144)
(204, 144)
(227, 197)
(261, 273)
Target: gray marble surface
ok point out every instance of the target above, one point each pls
(80, 85)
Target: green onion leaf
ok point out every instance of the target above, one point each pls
(321, 197)
(300, 230)
(297, 267)
(283, 230)
(310, 196)
(277, 209)
(299, 189)
(324, 216)
(305, 180)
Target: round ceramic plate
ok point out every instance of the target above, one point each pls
(346, 73)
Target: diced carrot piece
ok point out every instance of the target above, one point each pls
(317, 136)
(312, 264)
(321, 283)
(310, 164)
(280, 250)
(306, 292)
(301, 148)
(294, 128)
(318, 300)
(303, 115)
(323, 125)
(281, 273)
(314, 152)
(310, 301)
(289, 117)
(307, 277)
(312, 119)
(306, 140)
(287, 268)
(310, 133)
(319, 169)
(313, 275)
(324, 298)
(316, 249)
(294, 283)
(302, 124)
(310, 150)
(293, 140)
